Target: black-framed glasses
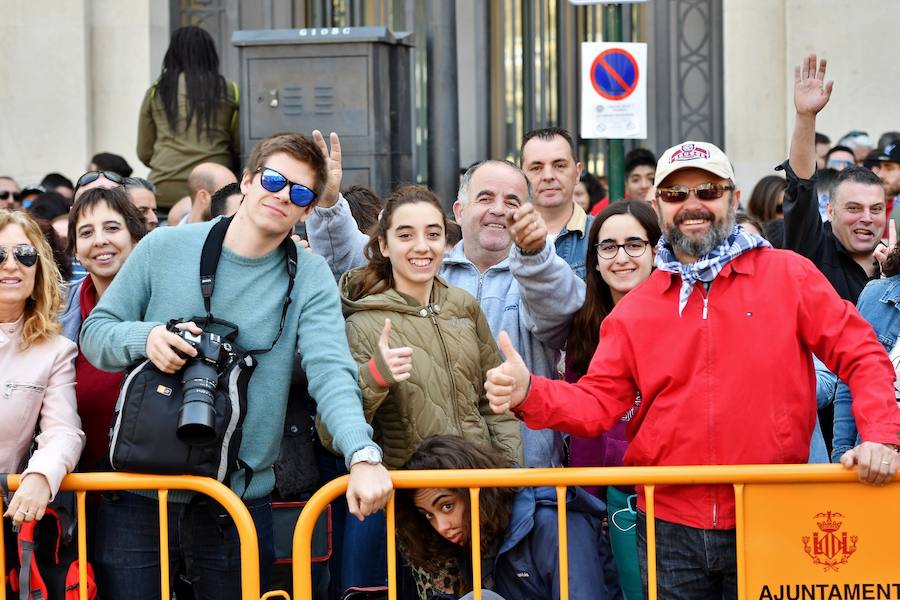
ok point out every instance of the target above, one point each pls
(634, 248)
(25, 254)
(92, 176)
(704, 191)
(6, 195)
(273, 181)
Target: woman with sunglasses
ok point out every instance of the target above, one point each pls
(37, 371)
(623, 239)
(104, 227)
(189, 116)
(518, 527)
(422, 347)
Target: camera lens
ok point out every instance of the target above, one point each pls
(196, 418)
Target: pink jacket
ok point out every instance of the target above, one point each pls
(38, 389)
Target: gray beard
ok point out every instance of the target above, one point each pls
(700, 247)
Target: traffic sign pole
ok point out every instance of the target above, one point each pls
(615, 148)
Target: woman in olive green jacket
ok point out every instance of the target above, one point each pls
(189, 115)
(423, 346)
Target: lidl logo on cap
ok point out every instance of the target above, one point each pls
(689, 152)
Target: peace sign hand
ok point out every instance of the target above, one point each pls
(332, 188)
(811, 91)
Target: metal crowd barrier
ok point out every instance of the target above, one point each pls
(81, 483)
(742, 478)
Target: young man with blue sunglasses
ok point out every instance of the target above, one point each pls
(159, 282)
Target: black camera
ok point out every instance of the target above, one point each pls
(199, 380)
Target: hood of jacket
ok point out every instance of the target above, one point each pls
(389, 299)
(528, 500)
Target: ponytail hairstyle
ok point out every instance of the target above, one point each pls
(377, 276)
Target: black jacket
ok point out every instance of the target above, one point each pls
(806, 234)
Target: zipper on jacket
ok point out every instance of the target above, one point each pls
(480, 286)
(704, 293)
(21, 386)
(447, 359)
(715, 513)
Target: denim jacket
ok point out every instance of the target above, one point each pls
(571, 243)
(879, 304)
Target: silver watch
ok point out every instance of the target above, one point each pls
(369, 454)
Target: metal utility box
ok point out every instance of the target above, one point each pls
(355, 81)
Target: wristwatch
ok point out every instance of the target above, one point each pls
(369, 454)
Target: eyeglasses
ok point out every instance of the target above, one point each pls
(634, 248)
(25, 254)
(704, 191)
(6, 195)
(839, 164)
(92, 176)
(273, 181)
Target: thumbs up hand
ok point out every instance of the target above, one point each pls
(507, 385)
(882, 251)
(397, 360)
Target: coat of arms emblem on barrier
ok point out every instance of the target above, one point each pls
(829, 547)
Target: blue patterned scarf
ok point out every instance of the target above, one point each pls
(706, 269)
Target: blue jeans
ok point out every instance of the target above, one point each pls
(691, 564)
(364, 562)
(203, 545)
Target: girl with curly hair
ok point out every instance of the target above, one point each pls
(519, 537)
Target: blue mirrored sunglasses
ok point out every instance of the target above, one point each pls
(273, 181)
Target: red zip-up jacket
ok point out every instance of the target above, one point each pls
(730, 381)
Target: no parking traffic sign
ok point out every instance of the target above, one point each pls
(615, 74)
(613, 90)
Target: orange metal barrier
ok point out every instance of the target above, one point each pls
(756, 488)
(81, 483)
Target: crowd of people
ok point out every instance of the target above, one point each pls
(544, 325)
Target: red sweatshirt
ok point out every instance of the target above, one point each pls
(734, 387)
(96, 393)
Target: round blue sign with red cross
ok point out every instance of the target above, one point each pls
(614, 74)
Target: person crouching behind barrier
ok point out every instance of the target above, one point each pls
(519, 536)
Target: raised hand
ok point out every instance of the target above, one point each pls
(811, 91)
(507, 385)
(882, 251)
(398, 360)
(332, 188)
(527, 228)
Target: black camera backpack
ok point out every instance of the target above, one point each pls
(143, 433)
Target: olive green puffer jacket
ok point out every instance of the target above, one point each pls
(452, 350)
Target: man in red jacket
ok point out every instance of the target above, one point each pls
(719, 343)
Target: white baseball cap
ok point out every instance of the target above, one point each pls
(698, 155)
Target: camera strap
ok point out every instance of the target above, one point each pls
(209, 262)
